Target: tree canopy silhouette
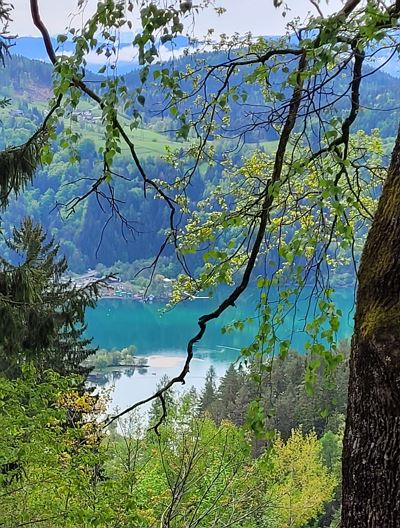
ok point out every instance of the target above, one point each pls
(290, 215)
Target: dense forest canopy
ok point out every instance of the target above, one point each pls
(262, 163)
(28, 84)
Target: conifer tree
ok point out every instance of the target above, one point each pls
(228, 394)
(209, 393)
(5, 38)
(41, 312)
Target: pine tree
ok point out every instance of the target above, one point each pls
(209, 393)
(5, 17)
(227, 407)
(18, 163)
(5, 9)
(41, 312)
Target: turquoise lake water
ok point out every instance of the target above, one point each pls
(120, 323)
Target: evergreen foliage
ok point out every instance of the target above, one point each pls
(208, 394)
(60, 183)
(5, 18)
(282, 394)
(42, 312)
(299, 210)
(195, 474)
(18, 166)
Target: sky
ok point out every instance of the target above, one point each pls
(257, 16)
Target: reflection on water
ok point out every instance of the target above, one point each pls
(120, 323)
(110, 376)
(132, 384)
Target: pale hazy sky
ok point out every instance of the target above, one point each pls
(257, 16)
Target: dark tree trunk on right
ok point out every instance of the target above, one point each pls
(371, 454)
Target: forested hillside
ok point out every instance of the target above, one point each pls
(250, 184)
(91, 234)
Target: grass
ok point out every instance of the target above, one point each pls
(148, 143)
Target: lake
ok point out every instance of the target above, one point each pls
(162, 338)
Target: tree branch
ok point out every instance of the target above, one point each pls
(264, 218)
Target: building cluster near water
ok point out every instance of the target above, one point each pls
(110, 287)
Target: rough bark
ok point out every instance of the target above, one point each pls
(371, 455)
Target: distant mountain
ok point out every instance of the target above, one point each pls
(30, 80)
(33, 48)
(28, 84)
(27, 79)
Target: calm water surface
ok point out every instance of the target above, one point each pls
(120, 323)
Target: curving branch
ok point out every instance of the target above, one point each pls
(79, 83)
(288, 114)
(292, 114)
(343, 139)
(263, 222)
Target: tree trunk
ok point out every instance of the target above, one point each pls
(371, 451)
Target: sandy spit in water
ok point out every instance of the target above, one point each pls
(166, 361)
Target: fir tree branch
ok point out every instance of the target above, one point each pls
(18, 164)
